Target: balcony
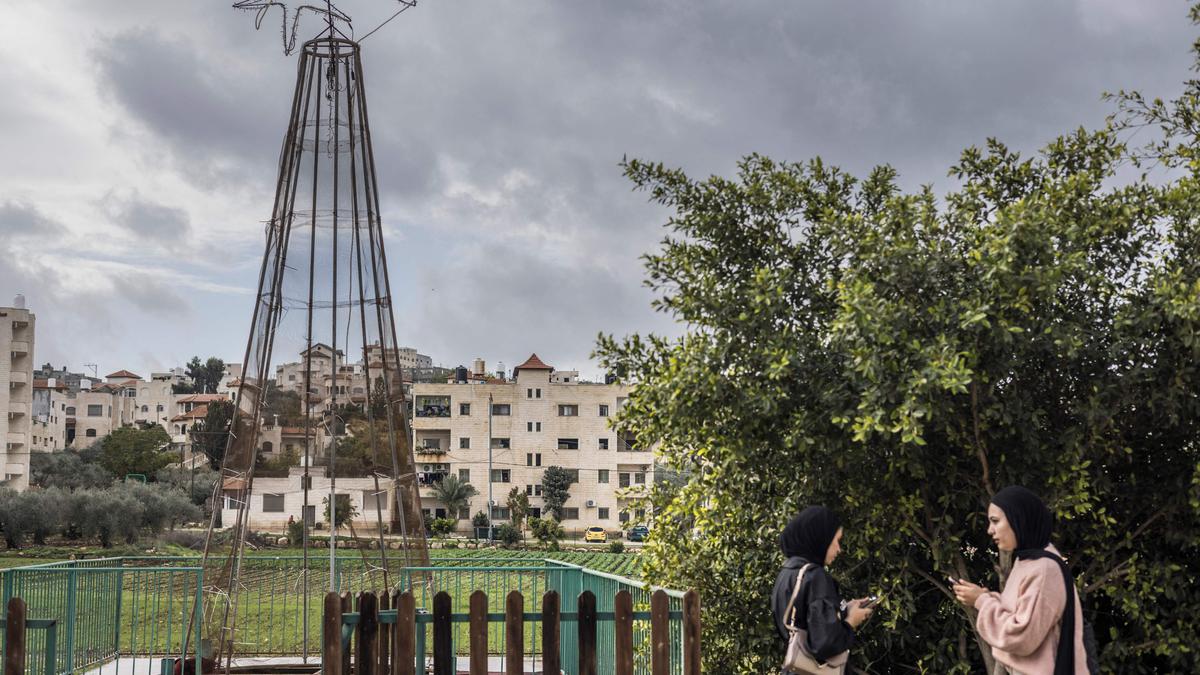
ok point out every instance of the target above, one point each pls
(18, 377)
(15, 439)
(18, 409)
(433, 406)
(19, 348)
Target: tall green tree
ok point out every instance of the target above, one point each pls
(131, 450)
(205, 376)
(346, 511)
(211, 435)
(556, 485)
(518, 508)
(455, 494)
(900, 356)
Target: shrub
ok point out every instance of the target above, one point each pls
(508, 535)
(295, 533)
(547, 530)
(442, 526)
(616, 547)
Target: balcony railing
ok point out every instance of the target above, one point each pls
(433, 410)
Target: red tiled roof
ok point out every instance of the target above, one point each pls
(197, 412)
(124, 373)
(45, 384)
(291, 431)
(234, 484)
(203, 398)
(532, 363)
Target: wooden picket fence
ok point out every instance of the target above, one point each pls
(380, 633)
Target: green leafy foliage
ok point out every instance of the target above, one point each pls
(211, 435)
(547, 530)
(442, 526)
(900, 356)
(518, 507)
(508, 535)
(556, 483)
(131, 450)
(346, 511)
(66, 469)
(455, 494)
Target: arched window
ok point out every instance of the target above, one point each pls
(70, 410)
(267, 446)
(145, 408)
(90, 433)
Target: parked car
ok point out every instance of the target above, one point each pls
(596, 534)
(637, 533)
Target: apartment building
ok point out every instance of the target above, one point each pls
(49, 432)
(16, 392)
(539, 418)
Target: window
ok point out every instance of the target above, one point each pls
(272, 503)
(70, 411)
(501, 476)
(603, 443)
(160, 408)
(568, 444)
(529, 490)
(268, 447)
(602, 513)
(533, 459)
(464, 514)
(464, 475)
(145, 408)
(574, 475)
(431, 443)
(529, 393)
(571, 513)
(537, 426)
(602, 476)
(537, 459)
(464, 409)
(501, 409)
(623, 480)
(464, 443)
(639, 478)
(501, 443)
(623, 516)
(537, 393)
(370, 498)
(529, 426)
(500, 513)
(90, 433)
(570, 410)
(291, 378)
(603, 410)
(535, 512)
(95, 410)
(358, 390)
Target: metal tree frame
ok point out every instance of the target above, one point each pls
(325, 241)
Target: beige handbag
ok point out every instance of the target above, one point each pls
(798, 659)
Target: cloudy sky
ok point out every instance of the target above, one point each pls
(140, 140)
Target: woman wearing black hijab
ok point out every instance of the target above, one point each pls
(814, 538)
(1024, 623)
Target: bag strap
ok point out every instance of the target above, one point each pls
(789, 614)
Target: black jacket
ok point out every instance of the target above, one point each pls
(818, 609)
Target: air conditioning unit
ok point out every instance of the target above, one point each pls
(591, 503)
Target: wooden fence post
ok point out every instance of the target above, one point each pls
(384, 667)
(443, 650)
(691, 633)
(331, 636)
(479, 633)
(660, 633)
(623, 633)
(366, 656)
(551, 629)
(514, 634)
(404, 654)
(347, 607)
(587, 633)
(14, 638)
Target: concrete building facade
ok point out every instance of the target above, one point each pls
(16, 392)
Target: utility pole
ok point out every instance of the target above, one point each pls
(491, 526)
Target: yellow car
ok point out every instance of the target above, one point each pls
(596, 534)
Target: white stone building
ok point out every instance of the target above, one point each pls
(538, 419)
(16, 392)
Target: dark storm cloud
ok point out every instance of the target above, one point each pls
(24, 220)
(499, 127)
(160, 224)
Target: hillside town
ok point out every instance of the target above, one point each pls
(492, 429)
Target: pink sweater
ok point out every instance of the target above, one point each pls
(1022, 623)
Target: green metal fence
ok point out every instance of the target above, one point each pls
(142, 607)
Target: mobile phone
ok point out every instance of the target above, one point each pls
(953, 581)
(871, 601)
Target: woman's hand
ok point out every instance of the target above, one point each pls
(967, 592)
(857, 612)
